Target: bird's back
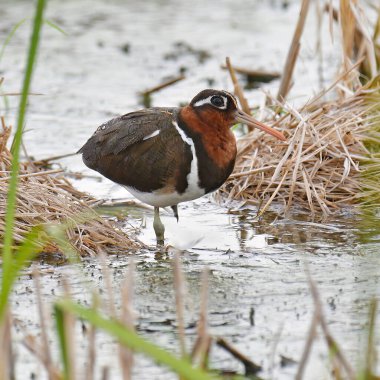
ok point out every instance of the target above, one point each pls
(141, 149)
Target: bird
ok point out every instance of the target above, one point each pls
(165, 156)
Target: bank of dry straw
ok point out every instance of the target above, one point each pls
(332, 155)
(45, 198)
(323, 164)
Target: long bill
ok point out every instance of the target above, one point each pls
(242, 117)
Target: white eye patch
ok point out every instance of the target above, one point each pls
(232, 97)
(208, 101)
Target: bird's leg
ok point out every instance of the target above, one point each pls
(175, 211)
(159, 228)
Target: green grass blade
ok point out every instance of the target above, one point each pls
(55, 26)
(12, 189)
(59, 316)
(133, 341)
(9, 37)
(25, 253)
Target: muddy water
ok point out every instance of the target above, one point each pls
(259, 297)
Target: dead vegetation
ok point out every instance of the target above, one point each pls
(320, 168)
(331, 158)
(46, 197)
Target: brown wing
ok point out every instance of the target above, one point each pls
(119, 152)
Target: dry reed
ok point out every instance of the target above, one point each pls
(332, 155)
(322, 165)
(180, 291)
(46, 197)
(293, 52)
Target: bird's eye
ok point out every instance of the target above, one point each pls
(217, 101)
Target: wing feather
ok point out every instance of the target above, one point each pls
(119, 151)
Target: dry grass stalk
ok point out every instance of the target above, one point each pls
(370, 356)
(331, 343)
(69, 331)
(91, 356)
(37, 350)
(105, 373)
(348, 25)
(293, 52)
(238, 90)
(7, 360)
(179, 290)
(125, 355)
(44, 198)
(43, 327)
(203, 342)
(321, 166)
(128, 319)
(309, 343)
(111, 309)
(357, 43)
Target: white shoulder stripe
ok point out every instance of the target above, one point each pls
(192, 177)
(187, 140)
(155, 133)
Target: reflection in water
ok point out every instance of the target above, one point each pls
(253, 292)
(299, 231)
(369, 226)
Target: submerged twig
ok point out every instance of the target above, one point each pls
(255, 75)
(251, 368)
(166, 83)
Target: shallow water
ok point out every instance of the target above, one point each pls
(88, 77)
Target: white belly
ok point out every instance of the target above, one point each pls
(160, 199)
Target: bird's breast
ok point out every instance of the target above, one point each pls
(215, 147)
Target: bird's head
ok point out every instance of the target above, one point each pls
(215, 106)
